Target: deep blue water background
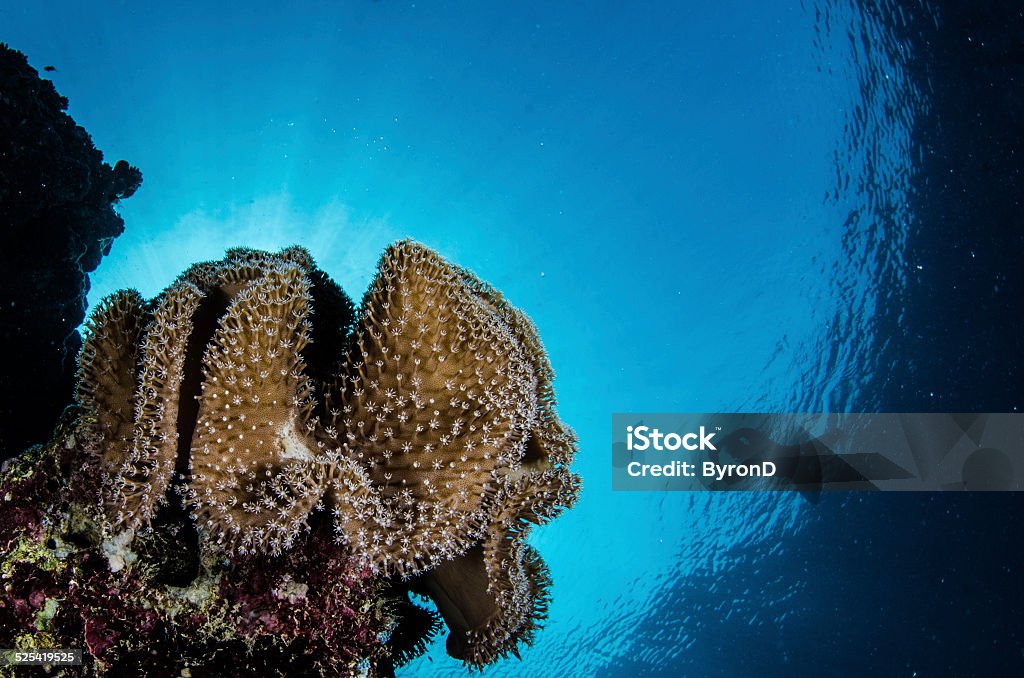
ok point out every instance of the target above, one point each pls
(705, 207)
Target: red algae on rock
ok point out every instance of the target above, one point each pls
(57, 590)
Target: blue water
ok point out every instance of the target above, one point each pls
(703, 207)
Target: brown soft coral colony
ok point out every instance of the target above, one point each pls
(427, 430)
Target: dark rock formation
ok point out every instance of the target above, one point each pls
(56, 223)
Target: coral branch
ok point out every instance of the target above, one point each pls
(106, 376)
(253, 465)
(145, 474)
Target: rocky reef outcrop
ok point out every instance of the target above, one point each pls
(56, 223)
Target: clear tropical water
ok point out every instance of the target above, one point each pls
(703, 206)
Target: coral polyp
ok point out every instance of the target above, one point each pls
(422, 429)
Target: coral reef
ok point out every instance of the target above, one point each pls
(248, 415)
(56, 223)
